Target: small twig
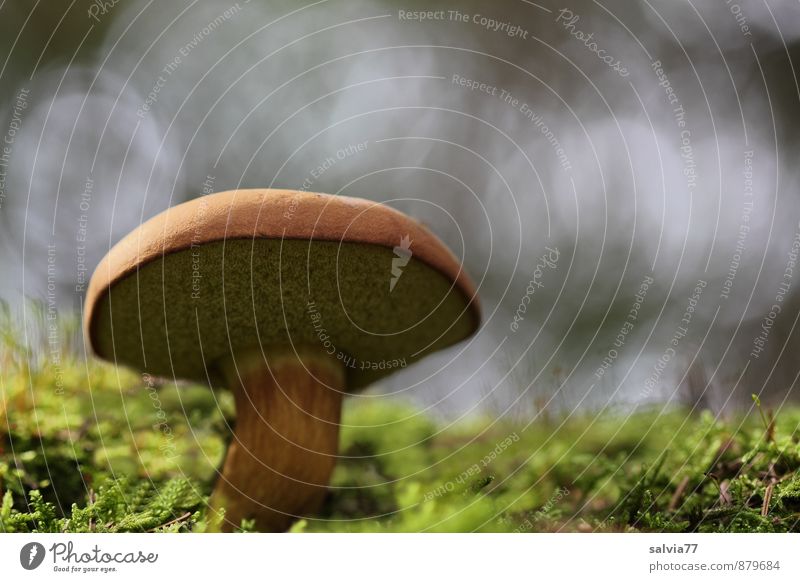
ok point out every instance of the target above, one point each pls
(771, 472)
(724, 493)
(722, 487)
(771, 426)
(176, 520)
(767, 499)
(713, 477)
(91, 502)
(757, 402)
(676, 497)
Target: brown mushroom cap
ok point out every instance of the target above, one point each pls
(245, 269)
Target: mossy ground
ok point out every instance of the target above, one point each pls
(85, 446)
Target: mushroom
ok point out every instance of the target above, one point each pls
(290, 300)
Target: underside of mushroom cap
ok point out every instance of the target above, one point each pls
(251, 269)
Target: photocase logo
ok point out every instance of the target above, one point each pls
(402, 254)
(100, 8)
(31, 555)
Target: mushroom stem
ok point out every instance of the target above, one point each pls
(288, 405)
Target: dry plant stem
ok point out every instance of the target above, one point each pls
(286, 436)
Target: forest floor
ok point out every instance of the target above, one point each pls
(85, 446)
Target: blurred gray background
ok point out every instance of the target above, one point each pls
(654, 144)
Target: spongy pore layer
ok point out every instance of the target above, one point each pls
(180, 316)
(249, 270)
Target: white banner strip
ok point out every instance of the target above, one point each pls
(389, 557)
